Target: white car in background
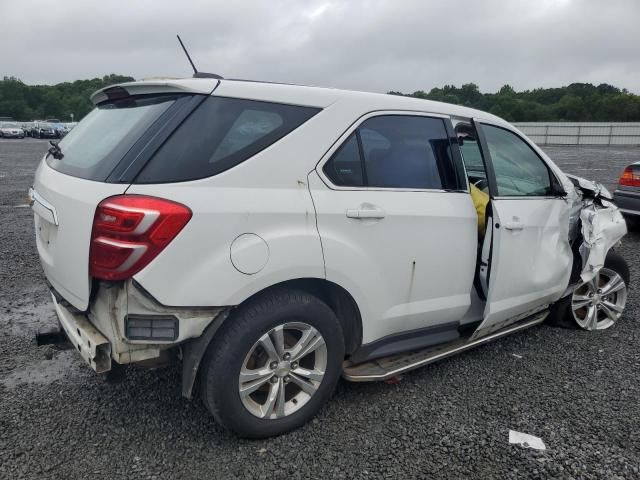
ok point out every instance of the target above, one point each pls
(11, 130)
(273, 238)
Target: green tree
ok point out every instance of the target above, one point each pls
(36, 102)
(575, 102)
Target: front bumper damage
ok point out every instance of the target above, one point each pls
(602, 225)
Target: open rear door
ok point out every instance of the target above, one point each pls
(527, 252)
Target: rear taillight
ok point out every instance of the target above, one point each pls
(131, 230)
(630, 177)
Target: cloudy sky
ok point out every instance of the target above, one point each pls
(357, 44)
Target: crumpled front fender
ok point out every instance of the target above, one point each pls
(602, 228)
(603, 225)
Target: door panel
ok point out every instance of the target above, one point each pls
(531, 257)
(407, 256)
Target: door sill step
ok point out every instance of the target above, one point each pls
(387, 367)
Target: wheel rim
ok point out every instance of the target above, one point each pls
(599, 303)
(283, 370)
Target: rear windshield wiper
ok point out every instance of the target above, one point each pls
(54, 150)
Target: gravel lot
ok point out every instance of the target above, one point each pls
(577, 390)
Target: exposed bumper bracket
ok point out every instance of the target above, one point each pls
(90, 343)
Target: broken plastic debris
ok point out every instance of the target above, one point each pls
(516, 355)
(525, 440)
(394, 380)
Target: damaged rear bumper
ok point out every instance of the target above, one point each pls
(124, 324)
(92, 346)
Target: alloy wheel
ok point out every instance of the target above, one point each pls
(282, 370)
(599, 303)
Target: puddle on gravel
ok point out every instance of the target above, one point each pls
(63, 364)
(25, 318)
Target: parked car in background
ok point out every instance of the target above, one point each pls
(43, 129)
(57, 125)
(66, 128)
(275, 237)
(26, 128)
(627, 195)
(11, 130)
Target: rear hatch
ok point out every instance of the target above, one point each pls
(70, 183)
(64, 207)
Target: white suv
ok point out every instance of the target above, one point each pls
(273, 238)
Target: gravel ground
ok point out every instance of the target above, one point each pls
(577, 390)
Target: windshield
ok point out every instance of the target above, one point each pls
(8, 125)
(96, 145)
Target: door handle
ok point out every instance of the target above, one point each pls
(514, 225)
(364, 213)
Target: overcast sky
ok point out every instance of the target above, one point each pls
(364, 45)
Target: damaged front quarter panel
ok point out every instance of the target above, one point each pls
(602, 224)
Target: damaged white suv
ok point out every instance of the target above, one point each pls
(273, 238)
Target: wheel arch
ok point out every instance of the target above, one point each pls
(335, 296)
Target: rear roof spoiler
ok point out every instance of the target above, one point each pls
(146, 87)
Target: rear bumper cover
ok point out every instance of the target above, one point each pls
(100, 334)
(627, 201)
(92, 346)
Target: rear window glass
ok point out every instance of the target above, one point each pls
(219, 135)
(95, 146)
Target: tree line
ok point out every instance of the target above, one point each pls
(30, 102)
(576, 102)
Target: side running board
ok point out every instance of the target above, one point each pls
(387, 367)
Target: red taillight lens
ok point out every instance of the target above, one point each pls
(630, 177)
(131, 230)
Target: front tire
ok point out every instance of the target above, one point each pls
(598, 304)
(273, 364)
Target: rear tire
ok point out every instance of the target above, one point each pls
(561, 314)
(242, 356)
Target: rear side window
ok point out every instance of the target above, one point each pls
(396, 151)
(345, 168)
(219, 135)
(97, 144)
